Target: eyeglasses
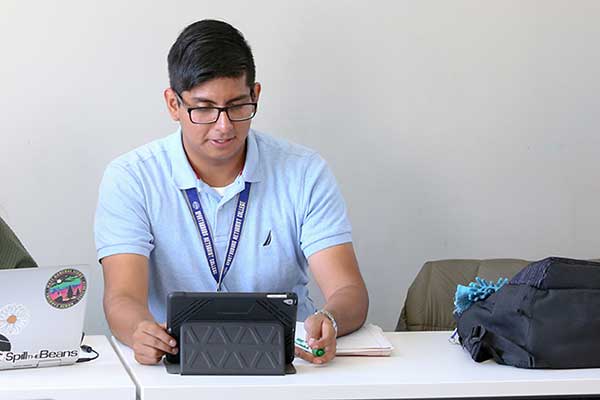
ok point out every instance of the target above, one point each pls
(210, 115)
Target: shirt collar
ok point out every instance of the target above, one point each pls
(252, 171)
(183, 174)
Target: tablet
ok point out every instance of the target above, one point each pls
(223, 306)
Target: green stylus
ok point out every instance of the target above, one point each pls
(304, 346)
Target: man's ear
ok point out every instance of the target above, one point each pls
(256, 92)
(172, 103)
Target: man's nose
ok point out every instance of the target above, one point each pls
(223, 122)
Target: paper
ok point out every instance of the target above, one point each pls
(367, 341)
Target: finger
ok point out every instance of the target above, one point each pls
(312, 328)
(155, 343)
(327, 356)
(147, 355)
(160, 333)
(327, 342)
(310, 357)
(146, 360)
(329, 353)
(147, 351)
(327, 336)
(304, 355)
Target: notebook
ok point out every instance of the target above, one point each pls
(41, 316)
(367, 341)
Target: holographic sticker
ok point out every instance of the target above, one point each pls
(66, 288)
(13, 318)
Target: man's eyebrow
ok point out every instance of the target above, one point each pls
(197, 99)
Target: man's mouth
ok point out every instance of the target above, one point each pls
(222, 143)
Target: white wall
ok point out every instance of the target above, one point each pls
(456, 129)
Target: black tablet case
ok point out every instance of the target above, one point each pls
(232, 333)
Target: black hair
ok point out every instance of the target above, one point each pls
(206, 50)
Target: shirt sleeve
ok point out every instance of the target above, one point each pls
(121, 224)
(324, 222)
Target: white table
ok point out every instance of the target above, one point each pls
(423, 365)
(102, 379)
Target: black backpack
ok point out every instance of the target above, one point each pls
(547, 316)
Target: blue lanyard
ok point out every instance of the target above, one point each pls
(206, 238)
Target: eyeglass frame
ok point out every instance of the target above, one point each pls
(220, 109)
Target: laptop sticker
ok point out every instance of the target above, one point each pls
(66, 288)
(13, 318)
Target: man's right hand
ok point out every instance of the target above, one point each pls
(151, 342)
(126, 308)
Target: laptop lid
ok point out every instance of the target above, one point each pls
(41, 315)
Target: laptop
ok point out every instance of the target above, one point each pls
(41, 316)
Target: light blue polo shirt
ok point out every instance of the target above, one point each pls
(295, 209)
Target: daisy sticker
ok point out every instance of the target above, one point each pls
(13, 318)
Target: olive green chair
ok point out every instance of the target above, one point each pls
(12, 252)
(430, 299)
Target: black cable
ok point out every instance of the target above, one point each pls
(88, 349)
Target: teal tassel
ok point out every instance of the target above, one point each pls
(476, 291)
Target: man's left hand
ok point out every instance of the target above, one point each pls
(320, 334)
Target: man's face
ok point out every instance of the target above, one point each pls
(222, 141)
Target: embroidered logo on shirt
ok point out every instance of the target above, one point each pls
(268, 240)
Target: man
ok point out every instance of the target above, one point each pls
(264, 210)
(12, 252)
